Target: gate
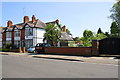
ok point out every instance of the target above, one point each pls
(109, 46)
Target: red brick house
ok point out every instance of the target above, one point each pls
(28, 33)
(24, 34)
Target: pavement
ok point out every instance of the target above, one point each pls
(101, 60)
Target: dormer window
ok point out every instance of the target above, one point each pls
(17, 33)
(8, 34)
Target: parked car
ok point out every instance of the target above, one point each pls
(39, 48)
(31, 50)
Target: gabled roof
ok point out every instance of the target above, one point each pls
(39, 24)
(20, 25)
(9, 28)
(54, 22)
(3, 29)
(65, 37)
(36, 24)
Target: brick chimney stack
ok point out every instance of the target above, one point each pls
(9, 23)
(57, 21)
(33, 19)
(64, 28)
(26, 19)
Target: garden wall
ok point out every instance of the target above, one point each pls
(69, 50)
(94, 50)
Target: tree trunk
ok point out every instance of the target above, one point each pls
(54, 43)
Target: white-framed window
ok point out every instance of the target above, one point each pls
(8, 41)
(29, 43)
(31, 31)
(17, 33)
(17, 43)
(8, 34)
(28, 31)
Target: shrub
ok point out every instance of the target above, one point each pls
(5, 49)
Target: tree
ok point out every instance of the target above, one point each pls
(99, 31)
(87, 38)
(99, 36)
(85, 42)
(107, 34)
(68, 32)
(52, 34)
(115, 30)
(115, 27)
(76, 39)
(116, 13)
(87, 33)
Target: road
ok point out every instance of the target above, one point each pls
(28, 67)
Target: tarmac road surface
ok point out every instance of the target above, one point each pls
(28, 67)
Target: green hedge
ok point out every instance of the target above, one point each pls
(5, 50)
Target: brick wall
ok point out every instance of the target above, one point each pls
(22, 32)
(22, 42)
(94, 50)
(69, 50)
(95, 47)
(12, 38)
(3, 38)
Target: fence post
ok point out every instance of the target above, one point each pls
(95, 47)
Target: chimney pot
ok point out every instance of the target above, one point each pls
(57, 21)
(33, 19)
(9, 23)
(26, 19)
(64, 28)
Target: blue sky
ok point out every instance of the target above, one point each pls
(77, 16)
